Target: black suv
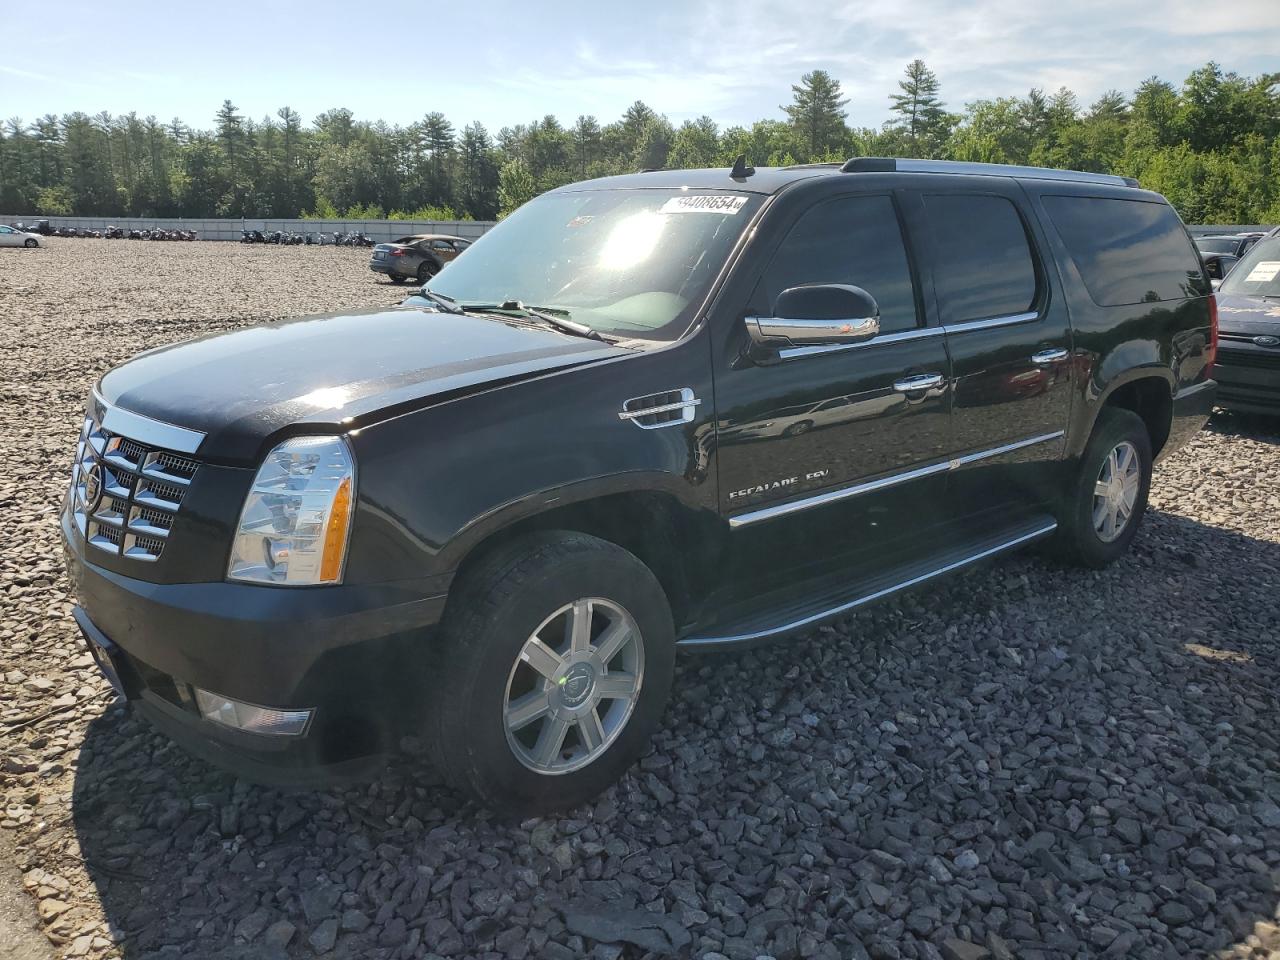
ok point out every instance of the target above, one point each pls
(490, 515)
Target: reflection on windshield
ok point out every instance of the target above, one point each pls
(1258, 272)
(628, 263)
(632, 241)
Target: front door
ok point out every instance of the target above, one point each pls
(817, 452)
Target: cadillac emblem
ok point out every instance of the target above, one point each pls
(91, 486)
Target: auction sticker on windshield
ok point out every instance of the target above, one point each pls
(1264, 271)
(695, 203)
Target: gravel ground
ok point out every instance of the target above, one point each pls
(1027, 762)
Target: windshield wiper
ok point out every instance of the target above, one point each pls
(447, 304)
(547, 316)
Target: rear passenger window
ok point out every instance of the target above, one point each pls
(853, 240)
(1127, 251)
(984, 267)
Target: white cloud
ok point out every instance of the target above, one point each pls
(744, 58)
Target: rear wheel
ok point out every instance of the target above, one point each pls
(553, 668)
(1103, 509)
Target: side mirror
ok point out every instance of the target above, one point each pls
(817, 314)
(1225, 263)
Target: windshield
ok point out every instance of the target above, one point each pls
(634, 264)
(1258, 272)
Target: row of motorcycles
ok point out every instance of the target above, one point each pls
(290, 238)
(119, 233)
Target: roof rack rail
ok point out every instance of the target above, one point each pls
(959, 167)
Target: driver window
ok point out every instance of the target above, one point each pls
(853, 240)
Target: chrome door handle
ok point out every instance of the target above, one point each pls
(1048, 356)
(925, 381)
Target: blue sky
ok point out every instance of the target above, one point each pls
(503, 62)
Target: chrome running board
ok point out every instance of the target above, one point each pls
(874, 589)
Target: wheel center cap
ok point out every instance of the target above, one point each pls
(577, 683)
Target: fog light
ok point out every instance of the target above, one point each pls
(246, 716)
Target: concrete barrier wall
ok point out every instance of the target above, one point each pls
(380, 230)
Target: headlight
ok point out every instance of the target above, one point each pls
(296, 520)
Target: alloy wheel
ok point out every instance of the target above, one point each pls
(574, 686)
(1116, 491)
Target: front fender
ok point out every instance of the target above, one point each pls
(436, 482)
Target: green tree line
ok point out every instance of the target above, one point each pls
(1211, 145)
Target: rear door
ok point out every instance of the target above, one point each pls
(1009, 338)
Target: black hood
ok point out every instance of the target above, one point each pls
(336, 371)
(1243, 314)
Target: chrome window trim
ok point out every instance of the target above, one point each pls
(147, 431)
(881, 483)
(835, 611)
(919, 333)
(1006, 321)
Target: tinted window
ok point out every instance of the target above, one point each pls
(854, 240)
(1127, 251)
(984, 267)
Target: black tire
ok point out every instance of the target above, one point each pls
(798, 429)
(31, 243)
(495, 609)
(396, 279)
(426, 270)
(1078, 539)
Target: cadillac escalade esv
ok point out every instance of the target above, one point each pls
(692, 409)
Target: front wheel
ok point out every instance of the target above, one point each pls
(1108, 497)
(426, 270)
(31, 242)
(551, 672)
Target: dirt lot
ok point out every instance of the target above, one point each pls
(1028, 762)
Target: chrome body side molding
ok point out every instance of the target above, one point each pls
(870, 486)
(807, 621)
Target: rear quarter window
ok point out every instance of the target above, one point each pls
(1127, 251)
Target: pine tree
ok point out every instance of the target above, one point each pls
(921, 115)
(817, 115)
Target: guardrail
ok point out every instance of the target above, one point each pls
(222, 229)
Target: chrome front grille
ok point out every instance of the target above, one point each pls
(126, 494)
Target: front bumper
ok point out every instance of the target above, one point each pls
(1191, 409)
(349, 653)
(1249, 380)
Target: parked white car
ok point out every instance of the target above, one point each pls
(11, 237)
